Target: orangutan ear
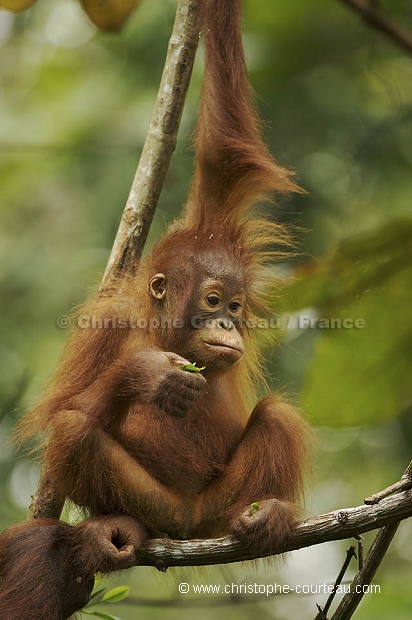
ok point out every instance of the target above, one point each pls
(157, 286)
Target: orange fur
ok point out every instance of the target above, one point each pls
(128, 431)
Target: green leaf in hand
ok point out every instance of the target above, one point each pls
(192, 368)
(254, 508)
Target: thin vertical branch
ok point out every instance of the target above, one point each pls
(376, 553)
(323, 611)
(359, 586)
(159, 146)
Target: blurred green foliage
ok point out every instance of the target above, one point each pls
(362, 298)
(336, 97)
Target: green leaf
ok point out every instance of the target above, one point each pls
(116, 594)
(96, 596)
(192, 368)
(254, 508)
(358, 264)
(98, 578)
(100, 614)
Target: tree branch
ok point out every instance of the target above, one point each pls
(375, 17)
(337, 525)
(159, 145)
(402, 485)
(323, 611)
(46, 503)
(377, 551)
(379, 547)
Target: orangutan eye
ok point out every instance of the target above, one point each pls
(213, 300)
(234, 306)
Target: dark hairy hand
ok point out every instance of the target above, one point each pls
(110, 542)
(267, 527)
(153, 377)
(177, 390)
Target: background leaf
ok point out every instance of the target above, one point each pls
(359, 375)
(116, 594)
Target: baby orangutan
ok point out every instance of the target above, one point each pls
(146, 447)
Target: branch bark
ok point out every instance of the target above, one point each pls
(159, 145)
(323, 611)
(336, 525)
(46, 503)
(377, 551)
(379, 547)
(376, 17)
